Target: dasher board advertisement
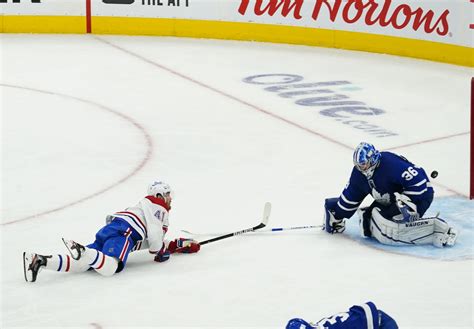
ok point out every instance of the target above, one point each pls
(43, 7)
(444, 21)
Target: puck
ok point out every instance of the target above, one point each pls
(434, 174)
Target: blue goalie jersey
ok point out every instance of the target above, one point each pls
(365, 316)
(393, 174)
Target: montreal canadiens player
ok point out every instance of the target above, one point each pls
(142, 226)
(402, 193)
(365, 316)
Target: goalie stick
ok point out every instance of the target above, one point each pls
(275, 229)
(270, 229)
(266, 214)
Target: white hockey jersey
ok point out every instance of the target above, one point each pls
(148, 218)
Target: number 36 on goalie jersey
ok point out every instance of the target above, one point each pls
(393, 174)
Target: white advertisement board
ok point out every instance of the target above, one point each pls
(43, 7)
(445, 21)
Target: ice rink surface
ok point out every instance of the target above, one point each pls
(88, 121)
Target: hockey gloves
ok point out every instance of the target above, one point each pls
(185, 246)
(163, 255)
(181, 245)
(407, 207)
(332, 224)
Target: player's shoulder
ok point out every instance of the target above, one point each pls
(390, 156)
(358, 317)
(394, 161)
(368, 308)
(357, 176)
(367, 312)
(157, 201)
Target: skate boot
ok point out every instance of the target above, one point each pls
(451, 237)
(75, 249)
(32, 265)
(447, 239)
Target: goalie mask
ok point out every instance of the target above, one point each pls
(366, 158)
(161, 189)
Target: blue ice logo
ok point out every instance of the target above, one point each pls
(327, 95)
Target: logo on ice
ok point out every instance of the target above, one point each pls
(325, 95)
(370, 12)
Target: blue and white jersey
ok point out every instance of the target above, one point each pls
(393, 174)
(363, 316)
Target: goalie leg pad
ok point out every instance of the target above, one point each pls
(389, 232)
(443, 234)
(384, 230)
(364, 222)
(431, 230)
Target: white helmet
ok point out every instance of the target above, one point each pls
(158, 187)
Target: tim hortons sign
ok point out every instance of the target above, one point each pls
(383, 13)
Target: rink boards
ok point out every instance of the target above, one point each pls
(440, 31)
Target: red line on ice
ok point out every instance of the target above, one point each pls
(143, 161)
(223, 93)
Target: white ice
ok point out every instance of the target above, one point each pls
(88, 121)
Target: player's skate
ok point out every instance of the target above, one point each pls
(75, 249)
(32, 265)
(447, 239)
(451, 237)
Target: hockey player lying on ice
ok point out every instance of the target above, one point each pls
(402, 193)
(139, 227)
(365, 316)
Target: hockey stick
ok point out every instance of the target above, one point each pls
(275, 229)
(266, 214)
(272, 229)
